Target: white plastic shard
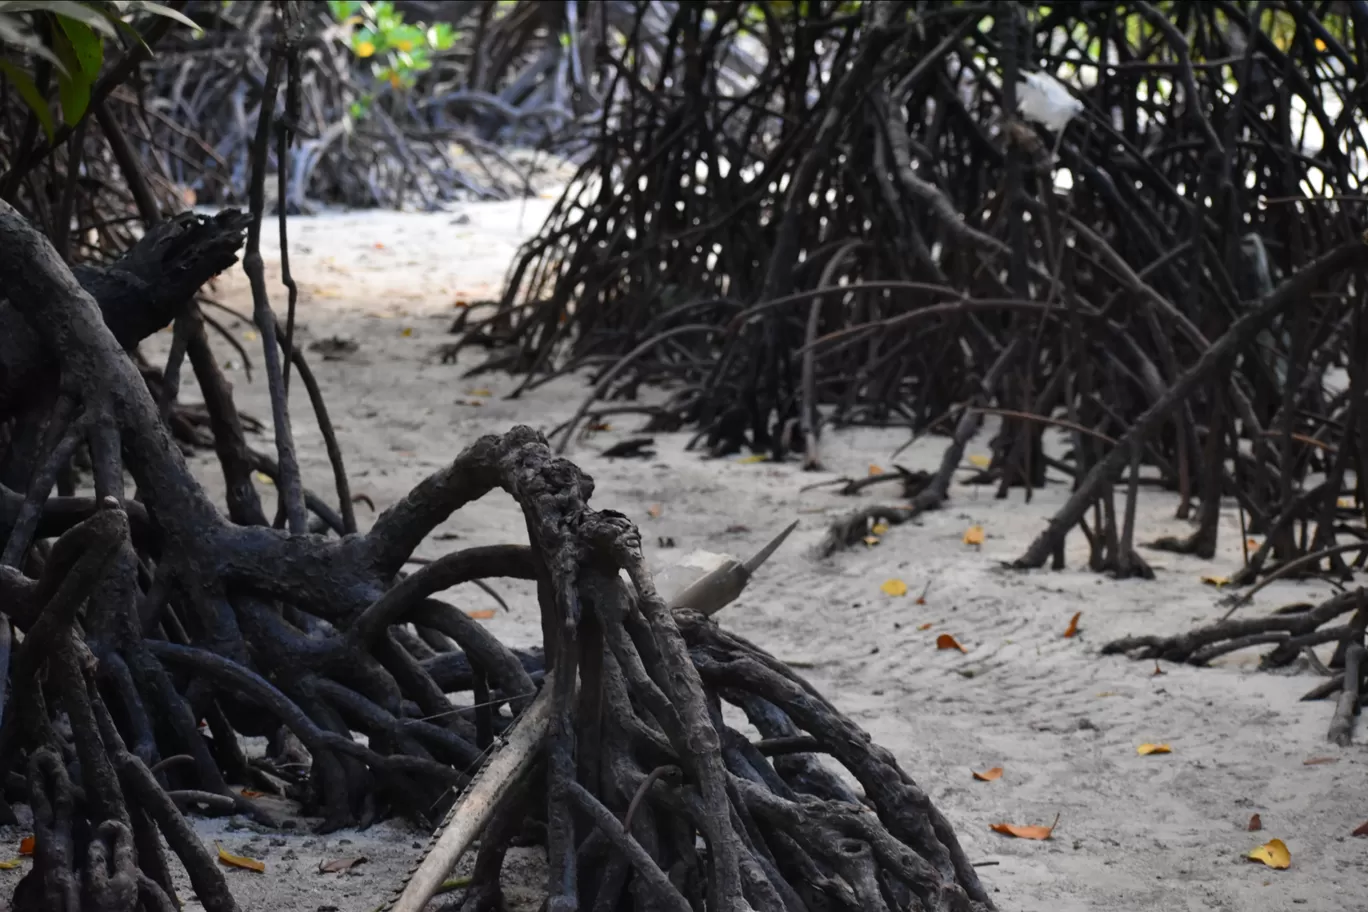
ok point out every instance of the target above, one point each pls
(1043, 99)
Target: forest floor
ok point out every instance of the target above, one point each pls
(1167, 831)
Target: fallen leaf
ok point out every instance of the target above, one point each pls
(482, 614)
(879, 528)
(980, 460)
(1145, 750)
(10, 865)
(379, 246)
(1346, 503)
(926, 626)
(264, 478)
(752, 459)
(1106, 693)
(26, 845)
(1025, 832)
(1157, 670)
(1217, 581)
(406, 331)
(340, 865)
(875, 470)
(973, 535)
(599, 426)
(239, 861)
(1319, 761)
(871, 540)
(1320, 45)
(1255, 823)
(251, 793)
(480, 391)
(1273, 853)
(946, 641)
(460, 302)
(921, 600)
(1362, 829)
(1072, 630)
(1252, 543)
(989, 775)
(894, 587)
(250, 336)
(653, 511)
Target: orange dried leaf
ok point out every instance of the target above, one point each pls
(1255, 823)
(1319, 761)
(1252, 543)
(991, 775)
(973, 535)
(653, 511)
(379, 246)
(1073, 626)
(1273, 853)
(483, 614)
(251, 793)
(1146, 750)
(1025, 832)
(894, 587)
(26, 845)
(926, 626)
(239, 861)
(946, 641)
(875, 470)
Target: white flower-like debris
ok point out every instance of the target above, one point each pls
(1043, 99)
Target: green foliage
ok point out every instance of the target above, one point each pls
(397, 50)
(67, 39)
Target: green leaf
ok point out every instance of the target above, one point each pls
(158, 9)
(73, 86)
(23, 84)
(85, 45)
(66, 8)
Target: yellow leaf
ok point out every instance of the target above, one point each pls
(406, 331)
(894, 587)
(879, 528)
(365, 49)
(239, 861)
(871, 540)
(980, 460)
(988, 775)
(926, 626)
(946, 641)
(1217, 581)
(1025, 832)
(875, 470)
(752, 459)
(1272, 853)
(10, 865)
(484, 614)
(264, 478)
(1346, 503)
(481, 391)
(1320, 45)
(1145, 750)
(404, 45)
(250, 336)
(1073, 626)
(973, 535)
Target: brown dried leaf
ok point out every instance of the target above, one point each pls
(1362, 829)
(1319, 761)
(946, 641)
(340, 865)
(1255, 823)
(26, 845)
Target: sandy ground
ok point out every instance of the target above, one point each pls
(1135, 832)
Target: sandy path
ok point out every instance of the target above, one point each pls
(1159, 832)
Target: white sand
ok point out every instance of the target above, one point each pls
(1157, 832)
